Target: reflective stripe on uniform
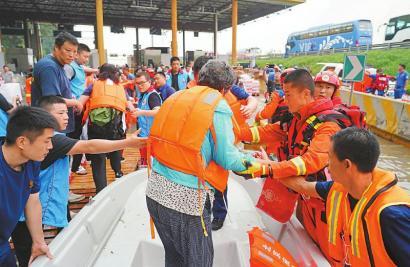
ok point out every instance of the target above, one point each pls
(311, 119)
(335, 200)
(255, 134)
(300, 165)
(355, 227)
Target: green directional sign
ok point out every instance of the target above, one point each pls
(353, 68)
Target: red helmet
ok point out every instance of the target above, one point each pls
(328, 77)
(284, 73)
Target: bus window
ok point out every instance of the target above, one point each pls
(365, 25)
(390, 30)
(402, 24)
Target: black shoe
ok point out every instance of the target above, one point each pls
(119, 174)
(217, 224)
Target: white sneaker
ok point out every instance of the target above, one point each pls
(81, 171)
(72, 197)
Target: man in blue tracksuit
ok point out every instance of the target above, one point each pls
(401, 82)
(162, 87)
(176, 77)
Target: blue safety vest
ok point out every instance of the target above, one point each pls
(54, 189)
(182, 79)
(145, 122)
(78, 81)
(4, 118)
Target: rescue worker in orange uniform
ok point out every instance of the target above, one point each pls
(368, 214)
(192, 145)
(29, 81)
(363, 85)
(304, 147)
(276, 104)
(243, 106)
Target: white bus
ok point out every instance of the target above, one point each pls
(398, 29)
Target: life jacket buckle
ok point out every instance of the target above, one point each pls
(346, 246)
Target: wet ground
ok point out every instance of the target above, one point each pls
(396, 158)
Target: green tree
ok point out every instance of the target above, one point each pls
(12, 41)
(47, 37)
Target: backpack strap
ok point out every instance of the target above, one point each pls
(315, 121)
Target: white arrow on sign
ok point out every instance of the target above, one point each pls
(357, 68)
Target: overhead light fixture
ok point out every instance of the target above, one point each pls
(136, 4)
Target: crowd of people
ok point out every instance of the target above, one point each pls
(379, 83)
(319, 155)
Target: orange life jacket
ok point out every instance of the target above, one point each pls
(363, 85)
(179, 130)
(238, 120)
(266, 251)
(28, 90)
(89, 80)
(358, 232)
(192, 83)
(107, 96)
(299, 137)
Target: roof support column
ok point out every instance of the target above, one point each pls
(27, 43)
(0, 40)
(99, 11)
(137, 59)
(234, 29)
(183, 48)
(174, 25)
(38, 40)
(216, 35)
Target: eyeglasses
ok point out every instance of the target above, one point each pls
(141, 83)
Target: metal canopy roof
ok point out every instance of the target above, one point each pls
(193, 15)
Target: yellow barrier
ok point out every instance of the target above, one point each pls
(386, 114)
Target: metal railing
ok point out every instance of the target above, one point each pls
(355, 49)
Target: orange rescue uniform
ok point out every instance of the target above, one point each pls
(29, 81)
(308, 160)
(355, 237)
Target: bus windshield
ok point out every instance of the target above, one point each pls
(365, 28)
(395, 25)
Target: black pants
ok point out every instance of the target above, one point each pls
(99, 169)
(22, 243)
(78, 129)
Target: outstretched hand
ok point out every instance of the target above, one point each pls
(137, 140)
(255, 169)
(38, 249)
(247, 111)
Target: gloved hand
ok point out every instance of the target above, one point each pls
(255, 169)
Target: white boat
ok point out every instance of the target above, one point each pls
(114, 230)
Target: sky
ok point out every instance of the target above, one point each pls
(268, 33)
